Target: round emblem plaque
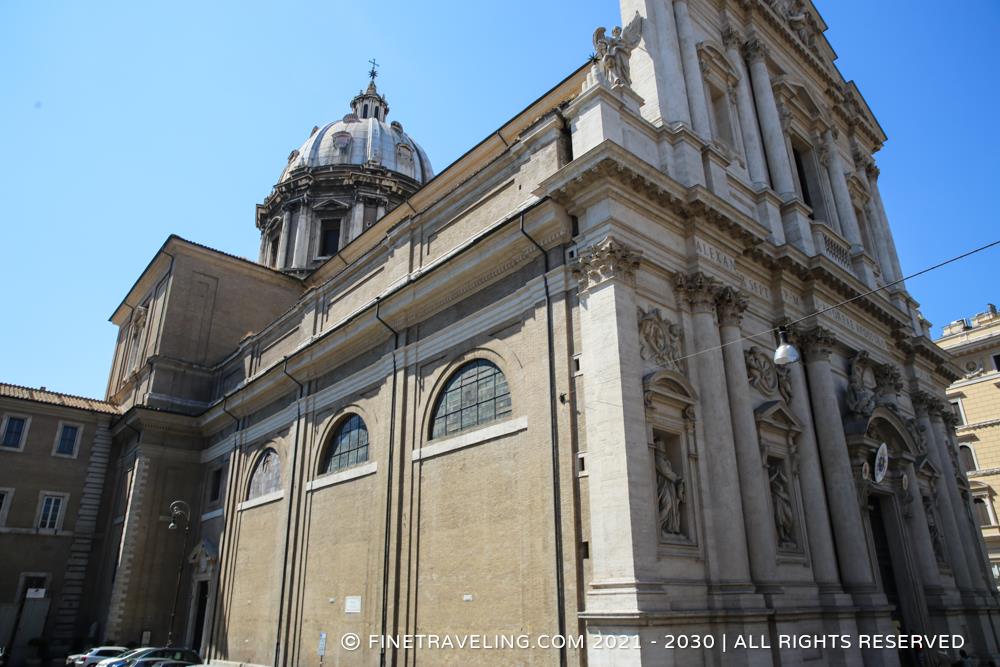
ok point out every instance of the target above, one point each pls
(881, 462)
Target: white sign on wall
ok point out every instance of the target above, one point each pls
(352, 604)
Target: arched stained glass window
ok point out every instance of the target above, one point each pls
(348, 446)
(476, 394)
(266, 477)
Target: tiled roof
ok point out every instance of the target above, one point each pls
(55, 398)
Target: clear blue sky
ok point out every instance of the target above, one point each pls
(124, 122)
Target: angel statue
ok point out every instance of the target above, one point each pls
(613, 52)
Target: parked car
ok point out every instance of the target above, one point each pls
(158, 654)
(95, 655)
(124, 657)
(158, 662)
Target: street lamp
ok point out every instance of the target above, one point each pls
(179, 510)
(786, 352)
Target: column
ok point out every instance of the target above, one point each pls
(841, 490)
(286, 230)
(872, 172)
(968, 541)
(753, 483)
(692, 70)
(929, 571)
(821, 548)
(770, 122)
(747, 113)
(946, 497)
(621, 487)
(841, 194)
(300, 258)
(657, 73)
(730, 563)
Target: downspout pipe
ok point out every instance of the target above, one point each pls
(388, 485)
(554, 436)
(288, 512)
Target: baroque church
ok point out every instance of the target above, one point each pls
(535, 393)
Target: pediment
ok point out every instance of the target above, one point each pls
(778, 415)
(331, 204)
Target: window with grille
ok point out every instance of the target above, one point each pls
(67, 440)
(48, 519)
(476, 394)
(348, 445)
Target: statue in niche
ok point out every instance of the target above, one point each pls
(670, 491)
(860, 399)
(612, 53)
(932, 528)
(660, 339)
(784, 519)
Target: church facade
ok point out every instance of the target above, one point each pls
(535, 394)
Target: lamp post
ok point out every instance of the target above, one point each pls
(178, 510)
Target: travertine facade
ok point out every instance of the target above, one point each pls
(975, 404)
(534, 394)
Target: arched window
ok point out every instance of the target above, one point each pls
(266, 477)
(967, 457)
(476, 394)
(347, 447)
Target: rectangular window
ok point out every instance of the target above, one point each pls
(4, 505)
(66, 445)
(800, 169)
(721, 117)
(956, 407)
(48, 519)
(13, 432)
(329, 240)
(215, 486)
(996, 362)
(371, 214)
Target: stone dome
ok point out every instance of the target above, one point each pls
(364, 138)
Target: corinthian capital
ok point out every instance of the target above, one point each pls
(754, 50)
(925, 403)
(731, 38)
(817, 343)
(606, 260)
(731, 303)
(700, 290)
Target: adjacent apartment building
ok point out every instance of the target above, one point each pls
(54, 453)
(975, 402)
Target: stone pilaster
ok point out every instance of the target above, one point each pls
(841, 194)
(893, 272)
(622, 497)
(747, 114)
(821, 545)
(724, 516)
(968, 533)
(755, 51)
(284, 240)
(753, 481)
(841, 492)
(129, 543)
(692, 70)
(303, 230)
(930, 573)
(947, 495)
(657, 73)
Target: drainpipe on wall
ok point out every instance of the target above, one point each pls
(554, 435)
(288, 514)
(388, 484)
